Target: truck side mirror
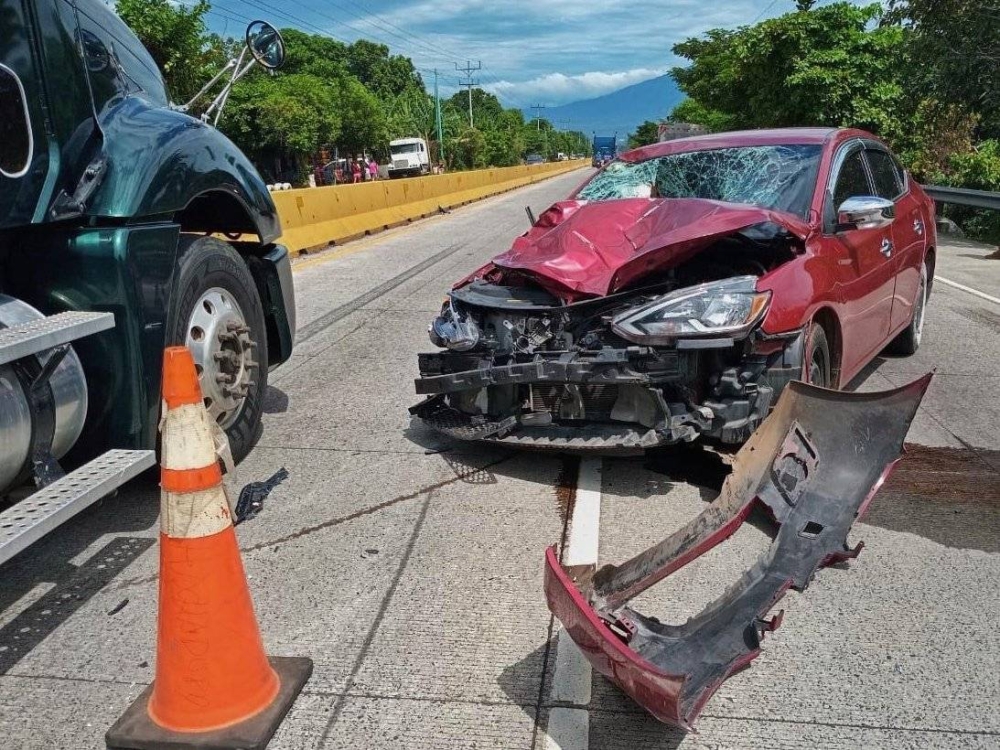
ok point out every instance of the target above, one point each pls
(265, 44)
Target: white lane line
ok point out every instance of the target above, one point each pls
(569, 728)
(584, 531)
(571, 682)
(968, 289)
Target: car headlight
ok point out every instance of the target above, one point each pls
(720, 308)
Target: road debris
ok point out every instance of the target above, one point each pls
(251, 500)
(813, 467)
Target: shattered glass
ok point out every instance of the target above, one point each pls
(776, 177)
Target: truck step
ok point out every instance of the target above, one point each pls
(36, 336)
(27, 521)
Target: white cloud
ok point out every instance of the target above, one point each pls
(559, 88)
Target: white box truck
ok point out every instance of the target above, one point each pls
(409, 157)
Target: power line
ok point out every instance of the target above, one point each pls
(468, 70)
(538, 114)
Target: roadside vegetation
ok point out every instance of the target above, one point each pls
(922, 74)
(333, 99)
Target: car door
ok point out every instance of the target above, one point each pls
(864, 264)
(908, 235)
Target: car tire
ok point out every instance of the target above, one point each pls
(217, 313)
(908, 340)
(818, 365)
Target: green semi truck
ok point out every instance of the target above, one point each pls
(126, 225)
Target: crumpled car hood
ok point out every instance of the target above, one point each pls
(579, 249)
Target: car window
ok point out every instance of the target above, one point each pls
(15, 130)
(778, 177)
(852, 179)
(887, 183)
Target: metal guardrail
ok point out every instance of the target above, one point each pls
(964, 197)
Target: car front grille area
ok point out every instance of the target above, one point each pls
(592, 402)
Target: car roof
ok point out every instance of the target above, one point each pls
(772, 137)
(404, 141)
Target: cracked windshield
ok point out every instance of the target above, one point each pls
(778, 177)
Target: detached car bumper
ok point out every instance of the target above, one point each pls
(813, 467)
(624, 399)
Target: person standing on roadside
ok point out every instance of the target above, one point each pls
(373, 169)
(356, 170)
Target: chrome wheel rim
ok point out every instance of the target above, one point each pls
(220, 343)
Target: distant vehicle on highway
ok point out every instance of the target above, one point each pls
(678, 291)
(409, 157)
(605, 149)
(534, 159)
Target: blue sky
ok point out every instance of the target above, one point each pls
(532, 51)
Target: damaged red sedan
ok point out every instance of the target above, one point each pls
(678, 291)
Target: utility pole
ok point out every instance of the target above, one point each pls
(437, 118)
(468, 70)
(538, 115)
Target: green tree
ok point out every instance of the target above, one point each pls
(385, 75)
(469, 149)
(693, 111)
(175, 35)
(826, 66)
(280, 121)
(955, 46)
(646, 133)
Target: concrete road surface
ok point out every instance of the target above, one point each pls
(410, 568)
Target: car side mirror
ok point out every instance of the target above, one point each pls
(865, 212)
(265, 45)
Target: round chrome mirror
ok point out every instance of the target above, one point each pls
(265, 44)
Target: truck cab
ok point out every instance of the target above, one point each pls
(126, 225)
(409, 157)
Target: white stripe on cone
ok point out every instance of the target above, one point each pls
(187, 438)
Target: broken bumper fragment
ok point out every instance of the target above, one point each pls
(813, 466)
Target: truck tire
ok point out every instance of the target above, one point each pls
(217, 313)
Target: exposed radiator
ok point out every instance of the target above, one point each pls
(597, 400)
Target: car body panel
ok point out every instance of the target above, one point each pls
(580, 249)
(813, 468)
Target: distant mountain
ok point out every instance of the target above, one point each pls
(620, 111)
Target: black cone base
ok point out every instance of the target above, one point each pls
(136, 731)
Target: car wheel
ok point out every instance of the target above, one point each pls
(908, 340)
(218, 315)
(818, 368)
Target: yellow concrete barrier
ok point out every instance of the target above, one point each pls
(316, 217)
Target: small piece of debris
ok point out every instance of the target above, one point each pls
(251, 500)
(368, 553)
(143, 664)
(118, 607)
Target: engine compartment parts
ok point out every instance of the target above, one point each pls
(616, 374)
(813, 467)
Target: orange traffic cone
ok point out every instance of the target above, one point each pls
(214, 686)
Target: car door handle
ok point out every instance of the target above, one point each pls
(918, 226)
(887, 247)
